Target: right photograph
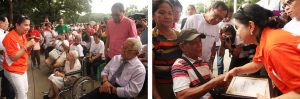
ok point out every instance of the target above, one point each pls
(225, 49)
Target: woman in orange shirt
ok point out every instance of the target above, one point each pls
(16, 51)
(277, 50)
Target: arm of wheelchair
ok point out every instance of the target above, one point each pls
(73, 73)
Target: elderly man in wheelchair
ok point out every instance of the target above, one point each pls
(58, 79)
(123, 76)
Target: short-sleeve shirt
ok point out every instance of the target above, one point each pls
(198, 22)
(97, 48)
(78, 48)
(118, 33)
(60, 29)
(184, 76)
(279, 51)
(12, 42)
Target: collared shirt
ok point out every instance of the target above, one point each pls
(131, 79)
(118, 33)
(13, 42)
(198, 22)
(2, 35)
(279, 51)
(184, 76)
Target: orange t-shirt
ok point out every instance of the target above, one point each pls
(12, 43)
(279, 51)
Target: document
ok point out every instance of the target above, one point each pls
(249, 87)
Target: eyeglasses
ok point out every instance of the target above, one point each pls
(288, 3)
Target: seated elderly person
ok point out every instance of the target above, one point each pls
(56, 79)
(123, 77)
(192, 79)
(96, 55)
(77, 46)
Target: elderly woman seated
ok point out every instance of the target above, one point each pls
(56, 79)
(123, 76)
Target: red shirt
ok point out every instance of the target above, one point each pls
(35, 33)
(279, 51)
(12, 43)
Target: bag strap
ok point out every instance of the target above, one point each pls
(201, 79)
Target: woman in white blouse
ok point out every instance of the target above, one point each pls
(56, 79)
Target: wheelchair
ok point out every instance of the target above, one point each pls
(77, 88)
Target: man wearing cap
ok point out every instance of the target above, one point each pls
(186, 83)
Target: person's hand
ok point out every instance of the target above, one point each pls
(30, 43)
(105, 87)
(230, 74)
(90, 59)
(228, 44)
(56, 73)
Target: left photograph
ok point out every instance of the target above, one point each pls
(73, 49)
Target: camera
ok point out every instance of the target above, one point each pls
(228, 38)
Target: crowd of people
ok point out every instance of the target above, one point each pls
(120, 41)
(183, 56)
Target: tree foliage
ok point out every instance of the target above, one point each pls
(37, 10)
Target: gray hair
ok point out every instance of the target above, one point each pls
(74, 53)
(137, 44)
(118, 6)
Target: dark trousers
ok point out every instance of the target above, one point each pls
(35, 57)
(95, 94)
(92, 67)
(6, 88)
(47, 50)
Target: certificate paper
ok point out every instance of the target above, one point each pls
(249, 87)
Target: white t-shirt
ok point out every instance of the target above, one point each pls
(293, 27)
(97, 48)
(78, 48)
(48, 38)
(198, 22)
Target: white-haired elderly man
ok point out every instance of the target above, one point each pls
(123, 77)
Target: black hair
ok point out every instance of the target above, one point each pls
(139, 25)
(19, 19)
(98, 35)
(219, 5)
(119, 6)
(3, 17)
(229, 28)
(157, 3)
(176, 3)
(260, 16)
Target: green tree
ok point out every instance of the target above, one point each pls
(37, 10)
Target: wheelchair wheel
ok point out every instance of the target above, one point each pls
(82, 86)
